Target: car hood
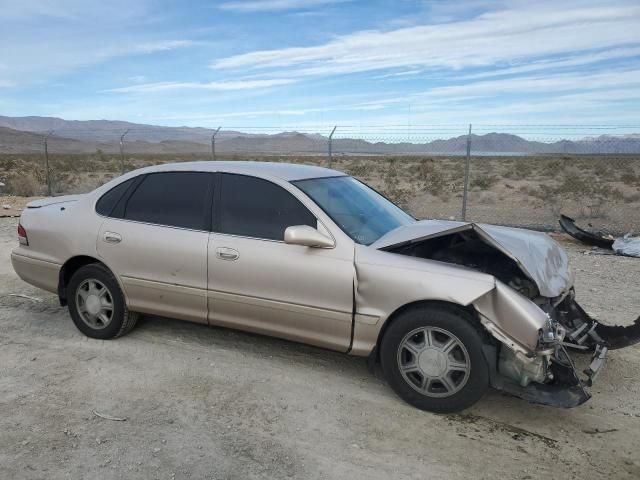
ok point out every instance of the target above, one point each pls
(537, 254)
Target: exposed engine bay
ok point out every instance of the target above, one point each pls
(548, 375)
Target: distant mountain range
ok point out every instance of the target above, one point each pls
(26, 134)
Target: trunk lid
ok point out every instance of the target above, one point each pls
(539, 257)
(44, 202)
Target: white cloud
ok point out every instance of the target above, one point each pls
(515, 34)
(572, 61)
(162, 45)
(249, 6)
(219, 86)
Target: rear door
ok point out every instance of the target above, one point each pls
(259, 283)
(155, 239)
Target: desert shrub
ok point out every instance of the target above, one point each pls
(357, 169)
(630, 178)
(603, 170)
(25, 185)
(553, 168)
(592, 197)
(431, 177)
(519, 169)
(392, 184)
(484, 182)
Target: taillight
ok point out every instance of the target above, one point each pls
(22, 235)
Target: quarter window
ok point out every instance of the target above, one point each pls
(107, 202)
(176, 199)
(253, 207)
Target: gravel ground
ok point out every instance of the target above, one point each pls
(205, 402)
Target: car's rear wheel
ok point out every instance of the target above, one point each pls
(432, 357)
(97, 305)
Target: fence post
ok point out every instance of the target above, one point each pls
(122, 150)
(331, 144)
(46, 161)
(466, 177)
(213, 144)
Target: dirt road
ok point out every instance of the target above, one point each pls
(208, 403)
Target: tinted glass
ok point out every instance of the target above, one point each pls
(105, 205)
(257, 208)
(361, 212)
(177, 199)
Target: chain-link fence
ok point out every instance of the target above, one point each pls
(523, 175)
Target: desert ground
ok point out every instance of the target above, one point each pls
(210, 403)
(532, 191)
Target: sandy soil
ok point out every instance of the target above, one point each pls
(11, 206)
(210, 403)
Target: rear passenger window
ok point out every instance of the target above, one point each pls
(108, 201)
(257, 208)
(176, 199)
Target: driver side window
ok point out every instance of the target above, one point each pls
(257, 208)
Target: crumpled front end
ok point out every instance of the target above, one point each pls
(539, 367)
(531, 313)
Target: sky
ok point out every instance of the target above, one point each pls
(316, 63)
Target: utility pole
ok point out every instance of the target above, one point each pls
(466, 177)
(331, 144)
(213, 144)
(122, 149)
(46, 161)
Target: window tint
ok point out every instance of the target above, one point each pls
(177, 199)
(253, 207)
(105, 204)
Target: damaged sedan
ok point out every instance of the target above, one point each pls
(446, 309)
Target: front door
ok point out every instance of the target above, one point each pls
(157, 242)
(259, 283)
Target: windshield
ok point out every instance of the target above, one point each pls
(361, 212)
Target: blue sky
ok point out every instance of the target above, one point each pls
(315, 63)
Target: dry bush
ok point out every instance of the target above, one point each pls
(25, 185)
(483, 182)
(630, 178)
(357, 169)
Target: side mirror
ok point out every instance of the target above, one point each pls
(307, 236)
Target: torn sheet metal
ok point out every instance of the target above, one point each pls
(538, 255)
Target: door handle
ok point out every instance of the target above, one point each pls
(225, 253)
(112, 237)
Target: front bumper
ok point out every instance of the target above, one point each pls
(568, 389)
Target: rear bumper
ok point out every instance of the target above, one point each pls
(38, 273)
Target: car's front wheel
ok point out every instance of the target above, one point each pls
(432, 357)
(96, 303)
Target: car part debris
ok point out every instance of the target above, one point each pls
(109, 417)
(628, 246)
(568, 224)
(596, 431)
(20, 295)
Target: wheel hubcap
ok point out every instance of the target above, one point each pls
(434, 362)
(94, 303)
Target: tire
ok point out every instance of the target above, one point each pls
(91, 288)
(432, 358)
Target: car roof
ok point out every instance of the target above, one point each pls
(284, 171)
